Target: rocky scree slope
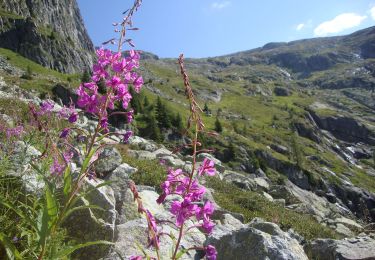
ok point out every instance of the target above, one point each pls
(50, 33)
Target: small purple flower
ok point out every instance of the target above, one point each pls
(73, 117)
(138, 257)
(104, 123)
(56, 168)
(126, 136)
(65, 132)
(46, 107)
(129, 116)
(15, 131)
(207, 167)
(211, 253)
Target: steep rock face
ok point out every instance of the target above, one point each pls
(345, 128)
(50, 33)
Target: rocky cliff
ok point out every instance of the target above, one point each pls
(50, 33)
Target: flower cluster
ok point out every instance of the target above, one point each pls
(117, 74)
(191, 192)
(14, 131)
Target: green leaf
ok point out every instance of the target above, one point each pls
(51, 205)
(67, 181)
(181, 253)
(87, 160)
(69, 250)
(10, 249)
(43, 230)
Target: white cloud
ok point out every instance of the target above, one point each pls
(372, 13)
(220, 5)
(339, 23)
(300, 26)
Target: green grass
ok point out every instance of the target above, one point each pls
(252, 205)
(23, 63)
(149, 173)
(6, 14)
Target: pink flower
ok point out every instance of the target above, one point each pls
(207, 167)
(206, 211)
(211, 253)
(46, 107)
(113, 82)
(137, 83)
(208, 225)
(129, 116)
(183, 210)
(152, 238)
(136, 257)
(56, 168)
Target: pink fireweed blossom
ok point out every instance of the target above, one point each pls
(46, 107)
(153, 237)
(183, 210)
(207, 167)
(138, 257)
(211, 253)
(129, 116)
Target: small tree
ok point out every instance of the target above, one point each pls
(28, 74)
(218, 126)
(296, 151)
(153, 130)
(85, 76)
(162, 116)
(177, 122)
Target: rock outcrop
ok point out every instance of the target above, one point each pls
(50, 33)
(358, 248)
(257, 240)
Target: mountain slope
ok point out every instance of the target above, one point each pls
(50, 33)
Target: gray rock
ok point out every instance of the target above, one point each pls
(142, 155)
(143, 144)
(257, 240)
(218, 165)
(92, 224)
(358, 248)
(50, 33)
(132, 233)
(20, 167)
(119, 179)
(279, 148)
(109, 159)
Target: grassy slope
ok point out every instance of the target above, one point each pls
(43, 78)
(267, 119)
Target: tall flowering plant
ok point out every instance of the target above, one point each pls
(187, 187)
(62, 183)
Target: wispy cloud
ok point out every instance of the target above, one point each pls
(372, 12)
(220, 5)
(300, 26)
(339, 23)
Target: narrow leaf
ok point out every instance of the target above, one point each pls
(69, 250)
(10, 249)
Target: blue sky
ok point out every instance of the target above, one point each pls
(206, 28)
